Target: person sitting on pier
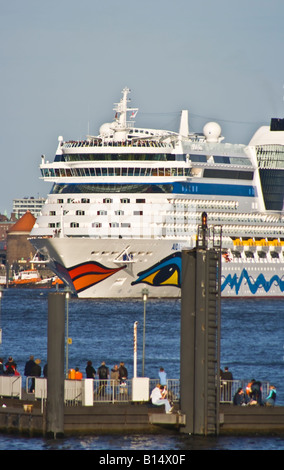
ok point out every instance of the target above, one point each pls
(158, 400)
(239, 397)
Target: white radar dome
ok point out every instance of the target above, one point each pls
(212, 131)
(106, 128)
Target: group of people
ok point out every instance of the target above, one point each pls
(117, 373)
(9, 368)
(32, 367)
(252, 395)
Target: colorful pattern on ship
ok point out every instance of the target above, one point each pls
(167, 272)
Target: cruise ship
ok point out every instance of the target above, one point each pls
(126, 202)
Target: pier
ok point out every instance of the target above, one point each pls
(27, 417)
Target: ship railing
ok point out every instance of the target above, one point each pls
(127, 143)
(228, 388)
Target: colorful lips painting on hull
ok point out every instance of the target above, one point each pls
(87, 274)
(166, 272)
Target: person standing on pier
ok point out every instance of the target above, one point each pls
(162, 376)
(227, 382)
(1, 366)
(123, 373)
(103, 372)
(28, 366)
(35, 372)
(90, 371)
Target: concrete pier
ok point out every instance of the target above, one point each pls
(28, 418)
(125, 418)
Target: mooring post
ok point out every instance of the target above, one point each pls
(55, 361)
(200, 319)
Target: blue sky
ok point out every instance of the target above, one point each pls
(65, 62)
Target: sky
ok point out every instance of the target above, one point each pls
(64, 64)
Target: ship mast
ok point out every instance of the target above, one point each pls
(121, 110)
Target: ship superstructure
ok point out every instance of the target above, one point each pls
(125, 203)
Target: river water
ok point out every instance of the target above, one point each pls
(251, 345)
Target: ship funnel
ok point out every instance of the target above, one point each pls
(183, 127)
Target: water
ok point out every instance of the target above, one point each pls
(251, 345)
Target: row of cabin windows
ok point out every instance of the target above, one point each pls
(105, 201)
(94, 225)
(119, 212)
(101, 212)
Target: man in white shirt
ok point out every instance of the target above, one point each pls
(156, 398)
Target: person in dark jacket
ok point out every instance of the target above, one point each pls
(1, 366)
(239, 397)
(35, 372)
(123, 373)
(90, 371)
(227, 382)
(256, 394)
(28, 366)
(103, 373)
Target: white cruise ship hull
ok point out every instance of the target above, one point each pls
(95, 269)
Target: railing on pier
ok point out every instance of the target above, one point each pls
(111, 391)
(228, 388)
(173, 388)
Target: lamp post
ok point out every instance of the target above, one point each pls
(135, 348)
(145, 294)
(67, 296)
